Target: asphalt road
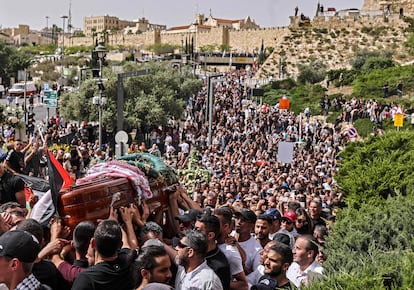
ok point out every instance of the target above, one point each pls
(41, 112)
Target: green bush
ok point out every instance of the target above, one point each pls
(371, 247)
(378, 168)
(312, 73)
(332, 117)
(362, 56)
(364, 127)
(300, 96)
(369, 85)
(286, 84)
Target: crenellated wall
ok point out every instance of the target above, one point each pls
(331, 40)
(240, 40)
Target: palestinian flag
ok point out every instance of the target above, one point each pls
(59, 178)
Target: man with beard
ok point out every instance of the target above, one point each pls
(193, 271)
(254, 277)
(154, 266)
(276, 265)
(262, 229)
(209, 225)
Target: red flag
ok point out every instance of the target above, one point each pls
(59, 178)
(27, 192)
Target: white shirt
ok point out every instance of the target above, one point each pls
(201, 278)
(252, 248)
(312, 272)
(233, 257)
(185, 148)
(254, 277)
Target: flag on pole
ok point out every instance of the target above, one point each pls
(59, 178)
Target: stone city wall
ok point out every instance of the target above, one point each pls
(239, 40)
(251, 40)
(406, 5)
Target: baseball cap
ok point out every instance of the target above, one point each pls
(19, 244)
(274, 213)
(290, 215)
(188, 216)
(247, 214)
(265, 283)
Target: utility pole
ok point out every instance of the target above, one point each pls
(212, 80)
(47, 29)
(70, 17)
(64, 17)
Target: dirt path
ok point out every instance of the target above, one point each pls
(346, 90)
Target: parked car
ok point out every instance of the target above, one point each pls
(18, 89)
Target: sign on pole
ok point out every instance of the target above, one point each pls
(398, 120)
(398, 117)
(50, 99)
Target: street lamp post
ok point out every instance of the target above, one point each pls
(47, 29)
(212, 80)
(101, 52)
(64, 17)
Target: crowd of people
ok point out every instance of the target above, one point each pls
(253, 223)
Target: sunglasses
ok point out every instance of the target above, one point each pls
(300, 221)
(182, 246)
(287, 222)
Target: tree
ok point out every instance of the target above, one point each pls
(362, 56)
(312, 73)
(149, 99)
(11, 61)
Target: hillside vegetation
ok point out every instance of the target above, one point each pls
(335, 45)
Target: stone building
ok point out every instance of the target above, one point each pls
(104, 23)
(246, 23)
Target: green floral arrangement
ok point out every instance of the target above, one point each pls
(194, 173)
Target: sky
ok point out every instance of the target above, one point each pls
(266, 13)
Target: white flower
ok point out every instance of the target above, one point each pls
(13, 120)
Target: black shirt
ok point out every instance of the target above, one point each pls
(107, 275)
(15, 160)
(33, 164)
(47, 273)
(217, 261)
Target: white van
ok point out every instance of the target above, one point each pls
(18, 89)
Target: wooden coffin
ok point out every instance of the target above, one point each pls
(91, 201)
